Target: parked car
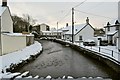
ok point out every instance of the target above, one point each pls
(89, 43)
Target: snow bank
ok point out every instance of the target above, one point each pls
(18, 56)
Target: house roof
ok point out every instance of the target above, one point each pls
(111, 33)
(77, 28)
(112, 23)
(2, 9)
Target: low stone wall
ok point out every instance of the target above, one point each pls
(115, 65)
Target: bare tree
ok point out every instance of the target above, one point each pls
(21, 24)
(30, 21)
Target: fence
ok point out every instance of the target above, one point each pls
(105, 51)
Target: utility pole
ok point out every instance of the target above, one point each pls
(72, 25)
(57, 29)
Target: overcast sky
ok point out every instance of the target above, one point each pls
(48, 12)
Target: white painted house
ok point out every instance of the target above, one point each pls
(9, 41)
(44, 27)
(82, 32)
(112, 33)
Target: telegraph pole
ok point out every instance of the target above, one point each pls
(57, 29)
(72, 25)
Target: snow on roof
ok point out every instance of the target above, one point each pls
(53, 31)
(2, 9)
(76, 28)
(17, 34)
(89, 40)
(112, 32)
(59, 30)
(34, 32)
(46, 31)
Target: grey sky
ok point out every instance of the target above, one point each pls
(51, 12)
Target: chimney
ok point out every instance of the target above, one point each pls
(108, 24)
(66, 24)
(4, 3)
(87, 20)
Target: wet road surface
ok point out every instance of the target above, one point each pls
(57, 60)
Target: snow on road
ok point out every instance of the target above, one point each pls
(18, 56)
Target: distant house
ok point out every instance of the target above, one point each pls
(112, 33)
(44, 27)
(44, 31)
(82, 32)
(9, 41)
(52, 34)
(41, 28)
(99, 32)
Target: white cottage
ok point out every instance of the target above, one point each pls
(9, 41)
(82, 32)
(112, 33)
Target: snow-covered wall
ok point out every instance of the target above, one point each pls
(20, 55)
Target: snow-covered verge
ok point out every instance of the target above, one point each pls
(110, 51)
(18, 56)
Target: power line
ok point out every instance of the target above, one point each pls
(94, 14)
(70, 10)
(80, 4)
(99, 3)
(65, 16)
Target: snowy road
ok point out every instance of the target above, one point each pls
(58, 60)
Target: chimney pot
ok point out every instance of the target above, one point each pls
(4, 3)
(66, 24)
(87, 20)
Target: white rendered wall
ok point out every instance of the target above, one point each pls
(12, 43)
(43, 27)
(86, 33)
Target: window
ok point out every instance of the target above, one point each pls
(80, 38)
(117, 27)
(108, 28)
(47, 28)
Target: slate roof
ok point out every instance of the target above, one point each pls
(2, 9)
